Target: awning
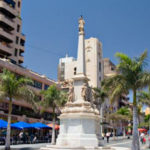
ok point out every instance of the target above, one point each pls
(56, 126)
(39, 125)
(21, 125)
(142, 130)
(3, 124)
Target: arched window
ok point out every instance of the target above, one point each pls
(75, 70)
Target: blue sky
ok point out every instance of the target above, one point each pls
(51, 29)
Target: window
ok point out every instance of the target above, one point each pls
(18, 28)
(46, 87)
(19, 4)
(75, 71)
(16, 52)
(112, 68)
(62, 64)
(99, 78)
(22, 42)
(17, 39)
(99, 66)
(37, 84)
(13, 61)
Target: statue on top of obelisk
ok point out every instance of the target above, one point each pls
(81, 24)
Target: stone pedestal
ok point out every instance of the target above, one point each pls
(79, 124)
(79, 127)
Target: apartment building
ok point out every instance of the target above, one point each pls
(94, 66)
(122, 101)
(12, 43)
(110, 70)
(12, 40)
(109, 67)
(22, 111)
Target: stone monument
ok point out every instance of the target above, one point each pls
(80, 119)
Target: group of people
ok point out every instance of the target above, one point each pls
(107, 135)
(25, 137)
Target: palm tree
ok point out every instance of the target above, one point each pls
(54, 98)
(125, 114)
(99, 96)
(116, 118)
(132, 76)
(13, 87)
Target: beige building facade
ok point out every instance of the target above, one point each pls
(67, 67)
(12, 40)
(22, 111)
(109, 68)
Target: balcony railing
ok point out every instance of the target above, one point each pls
(6, 48)
(10, 2)
(9, 22)
(6, 35)
(8, 6)
(21, 58)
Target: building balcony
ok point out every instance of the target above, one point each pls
(5, 36)
(7, 22)
(5, 49)
(7, 8)
(23, 37)
(21, 59)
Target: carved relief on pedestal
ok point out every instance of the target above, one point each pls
(71, 92)
(84, 92)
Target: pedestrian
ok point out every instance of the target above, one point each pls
(103, 136)
(107, 136)
(21, 136)
(142, 137)
(144, 140)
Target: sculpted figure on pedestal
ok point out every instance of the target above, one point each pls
(81, 24)
(84, 92)
(71, 92)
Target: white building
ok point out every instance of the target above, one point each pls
(94, 64)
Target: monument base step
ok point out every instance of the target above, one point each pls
(55, 147)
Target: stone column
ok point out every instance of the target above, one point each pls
(81, 48)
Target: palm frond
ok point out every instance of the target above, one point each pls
(116, 86)
(142, 59)
(99, 95)
(53, 97)
(144, 97)
(143, 80)
(117, 117)
(29, 96)
(24, 81)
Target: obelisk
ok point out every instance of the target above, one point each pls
(80, 119)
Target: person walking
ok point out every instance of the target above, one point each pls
(107, 136)
(142, 137)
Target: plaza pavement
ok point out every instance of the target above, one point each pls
(118, 144)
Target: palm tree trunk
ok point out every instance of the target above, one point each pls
(135, 141)
(114, 137)
(53, 129)
(7, 144)
(101, 120)
(124, 129)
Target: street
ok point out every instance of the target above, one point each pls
(125, 143)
